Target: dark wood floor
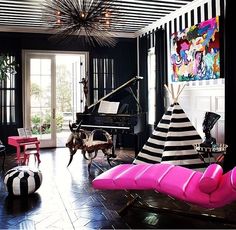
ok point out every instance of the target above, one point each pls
(66, 200)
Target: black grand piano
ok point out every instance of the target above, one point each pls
(125, 121)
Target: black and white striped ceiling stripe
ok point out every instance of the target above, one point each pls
(203, 12)
(206, 10)
(133, 14)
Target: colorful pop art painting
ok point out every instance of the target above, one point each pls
(195, 52)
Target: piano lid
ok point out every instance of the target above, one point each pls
(115, 94)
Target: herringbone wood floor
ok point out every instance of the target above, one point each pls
(66, 200)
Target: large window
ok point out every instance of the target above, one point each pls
(151, 86)
(7, 96)
(103, 77)
(53, 93)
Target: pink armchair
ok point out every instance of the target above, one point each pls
(209, 189)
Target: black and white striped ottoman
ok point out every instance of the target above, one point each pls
(22, 180)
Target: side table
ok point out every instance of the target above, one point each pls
(214, 154)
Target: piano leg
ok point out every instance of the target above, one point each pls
(114, 138)
(138, 143)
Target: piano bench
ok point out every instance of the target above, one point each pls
(27, 155)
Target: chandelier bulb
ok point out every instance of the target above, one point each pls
(82, 15)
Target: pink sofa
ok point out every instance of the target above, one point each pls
(210, 189)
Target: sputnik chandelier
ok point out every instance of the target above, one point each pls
(91, 18)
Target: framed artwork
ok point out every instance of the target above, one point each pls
(195, 52)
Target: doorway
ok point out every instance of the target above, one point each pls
(53, 94)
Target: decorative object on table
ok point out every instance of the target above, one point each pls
(91, 18)
(172, 139)
(7, 66)
(88, 144)
(208, 123)
(22, 180)
(209, 151)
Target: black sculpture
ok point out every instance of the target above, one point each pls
(208, 123)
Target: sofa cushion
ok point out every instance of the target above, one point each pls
(175, 181)
(193, 194)
(233, 178)
(210, 178)
(126, 179)
(106, 179)
(151, 177)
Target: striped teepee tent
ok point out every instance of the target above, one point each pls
(172, 140)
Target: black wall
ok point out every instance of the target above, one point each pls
(124, 55)
(230, 86)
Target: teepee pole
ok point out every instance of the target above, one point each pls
(180, 92)
(167, 88)
(172, 92)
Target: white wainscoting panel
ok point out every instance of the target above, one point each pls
(197, 98)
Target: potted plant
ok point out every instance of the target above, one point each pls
(7, 66)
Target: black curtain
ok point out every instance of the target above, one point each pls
(11, 98)
(230, 86)
(143, 89)
(161, 72)
(143, 84)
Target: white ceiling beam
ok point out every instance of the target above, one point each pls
(21, 9)
(165, 4)
(10, 6)
(149, 7)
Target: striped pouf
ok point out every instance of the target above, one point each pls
(22, 180)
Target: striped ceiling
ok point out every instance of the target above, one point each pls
(134, 15)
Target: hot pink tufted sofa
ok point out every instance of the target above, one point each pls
(210, 189)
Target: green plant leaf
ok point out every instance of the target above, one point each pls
(7, 66)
